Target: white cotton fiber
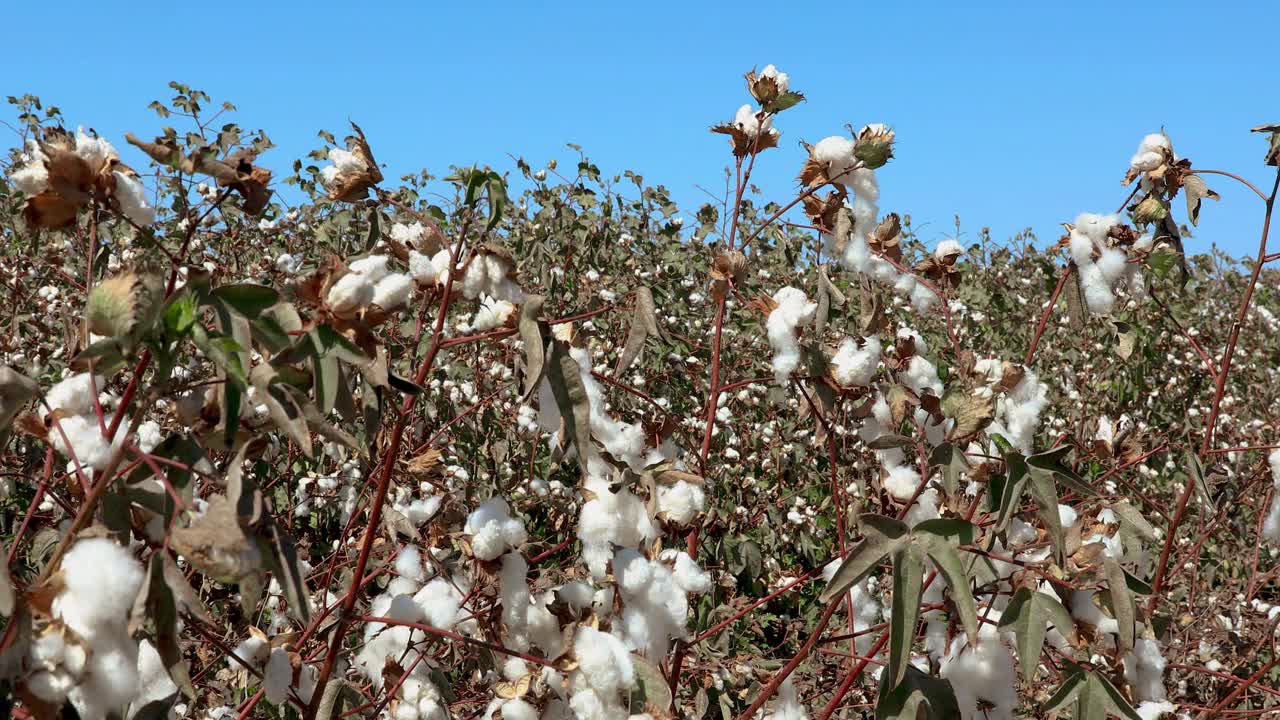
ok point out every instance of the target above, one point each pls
(982, 672)
(854, 365)
(1271, 526)
(493, 530)
(793, 311)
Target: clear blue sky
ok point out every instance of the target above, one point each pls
(1010, 114)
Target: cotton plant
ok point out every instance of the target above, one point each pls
(570, 487)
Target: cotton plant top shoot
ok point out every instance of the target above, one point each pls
(549, 458)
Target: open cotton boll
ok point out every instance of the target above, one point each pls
(610, 519)
(95, 151)
(373, 267)
(1096, 227)
(1271, 526)
(836, 153)
(853, 365)
(681, 502)
(792, 312)
(440, 602)
(352, 292)
(748, 120)
(1144, 670)
(73, 395)
(344, 161)
(922, 376)
(901, 482)
(517, 709)
(687, 574)
(277, 677)
(32, 178)
(409, 563)
(1081, 607)
(84, 437)
(493, 530)
(392, 292)
(422, 269)
(785, 705)
(1112, 264)
(947, 248)
(982, 672)
(100, 582)
(780, 79)
(132, 197)
(491, 314)
(513, 589)
(603, 661)
(408, 234)
(110, 680)
(1155, 710)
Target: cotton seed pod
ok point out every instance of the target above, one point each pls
(874, 145)
(112, 306)
(1150, 210)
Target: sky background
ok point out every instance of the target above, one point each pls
(1011, 115)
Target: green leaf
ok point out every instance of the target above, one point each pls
(1197, 474)
(1029, 614)
(571, 398)
(954, 530)
(908, 583)
(918, 697)
(1122, 604)
(1044, 492)
(1052, 462)
(180, 314)
(879, 540)
(1008, 490)
(246, 298)
(953, 463)
(947, 559)
(1068, 691)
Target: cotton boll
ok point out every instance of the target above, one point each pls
(517, 709)
(493, 530)
(785, 705)
(901, 482)
(408, 234)
(856, 366)
(420, 511)
(83, 435)
(132, 197)
(33, 177)
(836, 153)
(1066, 515)
(792, 312)
(1155, 710)
(922, 298)
(1271, 525)
(440, 603)
(110, 681)
(1081, 606)
(981, 672)
(1144, 670)
(74, 395)
(409, 563)
(922, 376)
(578, 595)
(514, 592)
(352, 292)
(749, 121)
(374, 267)
(948, 248)
(688, 575)
(603, 661)
(422, 269)
(95, 151)
(392, 292)
(1111, 263)
(780, 79)
(681, 502)
(1096, 227)
(100, 581)
(277, 677)
(492, 314)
